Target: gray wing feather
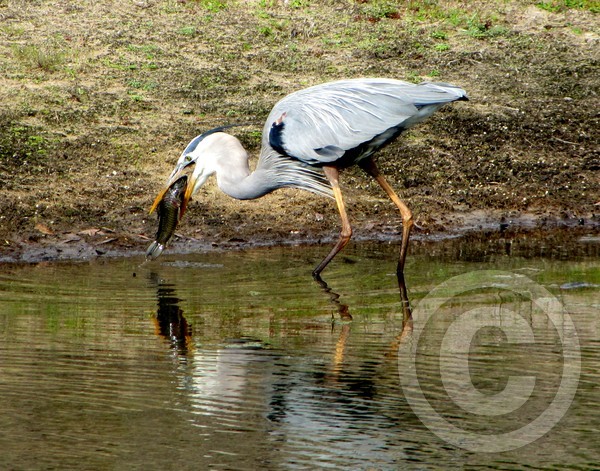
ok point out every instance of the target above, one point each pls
(321, 123)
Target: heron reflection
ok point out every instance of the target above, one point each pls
(251, 374)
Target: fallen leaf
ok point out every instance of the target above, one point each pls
(92, 231)
(43, 229)
(106, 241)
(70, 238)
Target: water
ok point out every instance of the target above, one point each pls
(239, 360)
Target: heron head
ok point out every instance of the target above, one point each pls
(191, 156)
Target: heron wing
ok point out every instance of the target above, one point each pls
(322, 124)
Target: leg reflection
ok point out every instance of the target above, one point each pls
(407, 319)
(344, 313)
(342, 308)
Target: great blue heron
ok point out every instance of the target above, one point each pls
(312, 134)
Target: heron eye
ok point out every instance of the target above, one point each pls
(188, 158)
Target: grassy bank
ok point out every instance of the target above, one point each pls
(99, 98)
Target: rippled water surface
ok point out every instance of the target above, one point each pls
(240, 360)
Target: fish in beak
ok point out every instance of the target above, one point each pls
(169, 215)
(177, 172)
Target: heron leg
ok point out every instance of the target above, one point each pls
(332, 175)
(368, 165)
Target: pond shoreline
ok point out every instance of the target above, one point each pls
(108, 243)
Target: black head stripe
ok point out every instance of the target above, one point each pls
(194, 143)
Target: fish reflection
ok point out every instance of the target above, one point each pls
(215, 380)
(170, 322)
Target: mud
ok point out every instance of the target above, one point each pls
(480, 231)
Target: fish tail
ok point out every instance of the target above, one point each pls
(154, 250)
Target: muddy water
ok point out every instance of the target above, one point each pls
(239, 360)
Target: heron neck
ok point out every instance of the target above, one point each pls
(246, 185)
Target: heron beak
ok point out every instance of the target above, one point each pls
(175, 174)
(188, 194)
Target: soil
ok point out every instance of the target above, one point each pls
(99, 100)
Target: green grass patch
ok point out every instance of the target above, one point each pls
(559, 6)
(483, 29)
(213, 6)
(142, 85)
(380, 9)
(20, 144)
(119, 64)
(148, 50)
(136, 96)
(187, 31)
(44, 57)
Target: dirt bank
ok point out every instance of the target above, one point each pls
(99, 99)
